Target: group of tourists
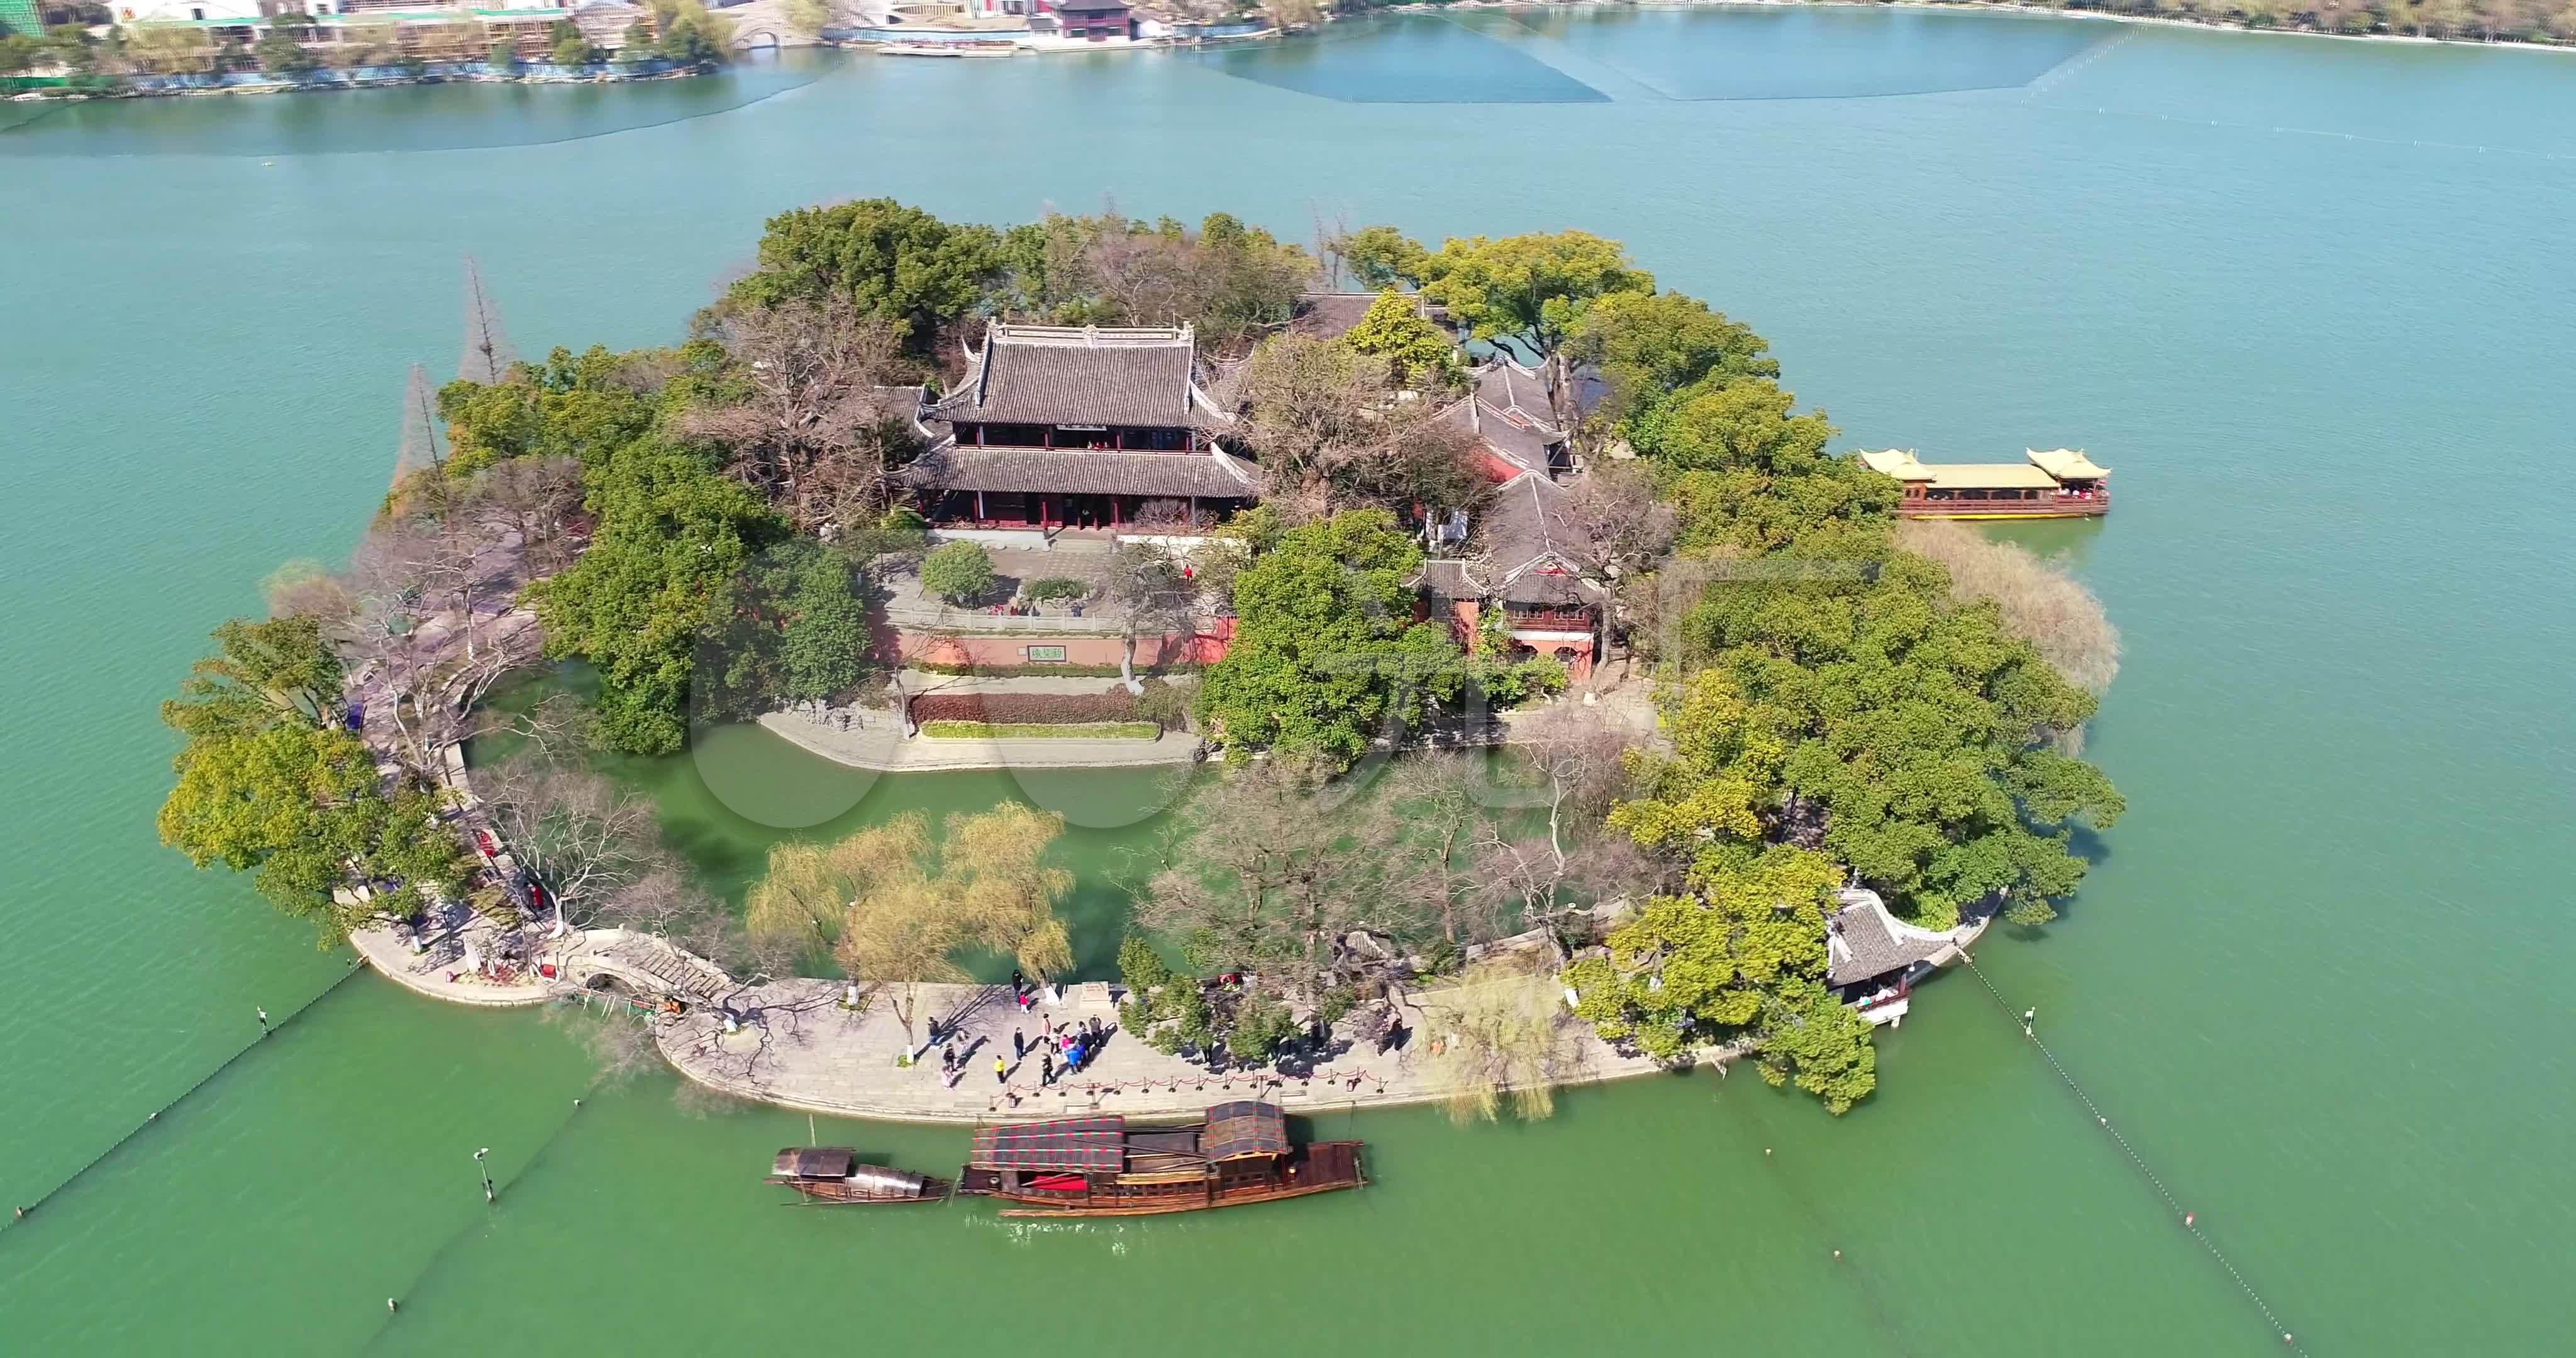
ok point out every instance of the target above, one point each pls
(1075, 1043)
(1062, 1049)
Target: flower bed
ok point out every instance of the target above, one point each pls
(985, 730)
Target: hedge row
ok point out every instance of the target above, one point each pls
(983, 730)
(1043, 709)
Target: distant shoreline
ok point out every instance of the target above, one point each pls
(168, 87)
(1997, 7)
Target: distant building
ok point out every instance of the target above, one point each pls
(1092, 20)
(422, 29)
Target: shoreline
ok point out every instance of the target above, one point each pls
(1993, 7)
(605, 76)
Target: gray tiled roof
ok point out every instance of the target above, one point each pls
(1506, 385)
(1068, 375)
(1086, 472)
(1330, 315)
(1527, 550)
(1864, 941)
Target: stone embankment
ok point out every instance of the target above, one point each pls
(806, 1048)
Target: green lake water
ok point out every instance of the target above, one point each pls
(2309, 298)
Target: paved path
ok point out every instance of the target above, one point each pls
(822, 1057)
(881, 745)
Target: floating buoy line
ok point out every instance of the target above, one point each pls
(268, 1027)
(2190, 1220)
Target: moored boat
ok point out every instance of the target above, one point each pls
(1099, 1166)
(835, 1174)
(2061, 483)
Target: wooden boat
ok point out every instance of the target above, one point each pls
(1101, 1167)
(834, 1174)
(2061, 483)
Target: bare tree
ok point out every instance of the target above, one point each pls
(1621, 526)
(418, 449)
(488, 356)
(1148, 587)
(1266, 872)
(1579, 757)
(2041, 601)
(1442, 882)
(593, 846)
(1331, 429)
(535, 500)
(819, 433)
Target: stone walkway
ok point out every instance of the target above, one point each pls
(441, 972)
(817, 1055)
(881, 745)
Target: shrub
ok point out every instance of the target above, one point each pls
(1050, 671)
(1165, 705)
(1057, 587)
(867, 544)
(1026, 709)
(959, 572)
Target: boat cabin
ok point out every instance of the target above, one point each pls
(835, 1174)
(1079, 427)
(2061, 483)
(1100, 1166)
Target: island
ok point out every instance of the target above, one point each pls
(1551, 701)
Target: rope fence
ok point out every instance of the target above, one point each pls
(2189, 1220)
(268, 1028)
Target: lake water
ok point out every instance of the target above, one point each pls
(2310, 299)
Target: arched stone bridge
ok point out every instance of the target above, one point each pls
(644, 965)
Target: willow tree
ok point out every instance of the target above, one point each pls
(806, 896)
(992, 863)
(903, 932)
(892, 910)
(1501, 1033)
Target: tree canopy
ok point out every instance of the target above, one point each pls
(894, 263)
(270, 784)
(1647, 345)
(1229, 279)
(1323, 418)
(1419, 353)
(672, 534)
(1531, 289)
(1326, 653)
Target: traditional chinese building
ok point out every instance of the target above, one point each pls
(1056, 427)
(2059, 484)
(1873, 959)
(1520, 550)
